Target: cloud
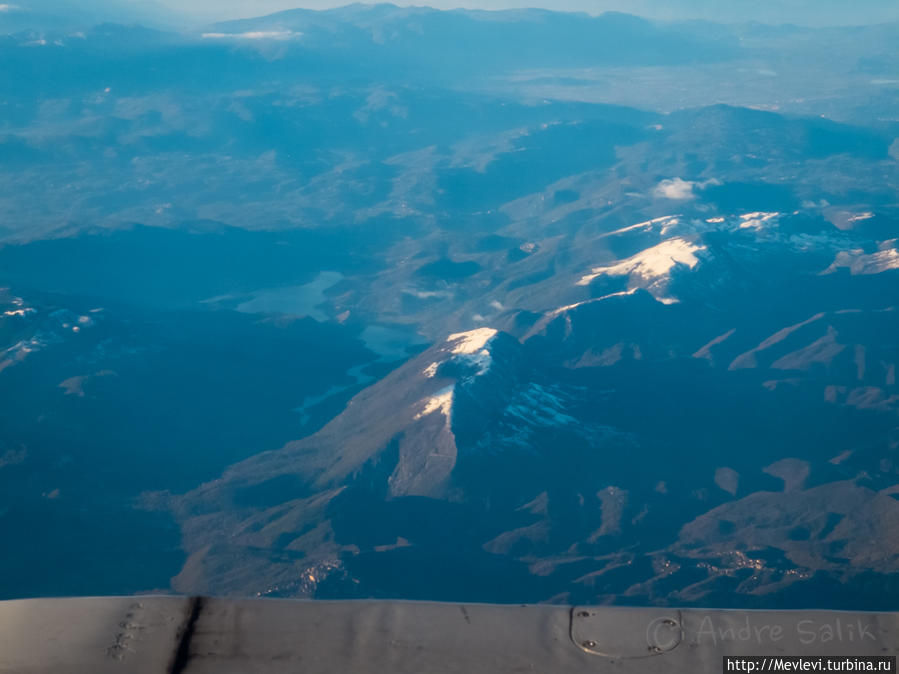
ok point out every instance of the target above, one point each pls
(676, 188)
(254, 35)
(13, 457)
(894, 150)
(8, 8)
(679, 189)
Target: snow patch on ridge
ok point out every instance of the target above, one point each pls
(757, 220)
(441, 402)
(666, 221)
(569, 307)
(859, 263)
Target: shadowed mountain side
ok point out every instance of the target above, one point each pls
(557, 476)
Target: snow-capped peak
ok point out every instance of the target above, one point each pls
(472, 341)
(653, 263)
(468, 347)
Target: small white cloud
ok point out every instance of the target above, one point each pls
(676, 188)
(253, 35)
(894, 149)
(867, 215)
(8, 8)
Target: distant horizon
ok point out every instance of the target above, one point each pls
(192, 14)
(801, 12)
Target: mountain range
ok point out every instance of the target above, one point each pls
(473, 306)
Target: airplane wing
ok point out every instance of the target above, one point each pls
(199, 635)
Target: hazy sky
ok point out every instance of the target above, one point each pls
(809, 12)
